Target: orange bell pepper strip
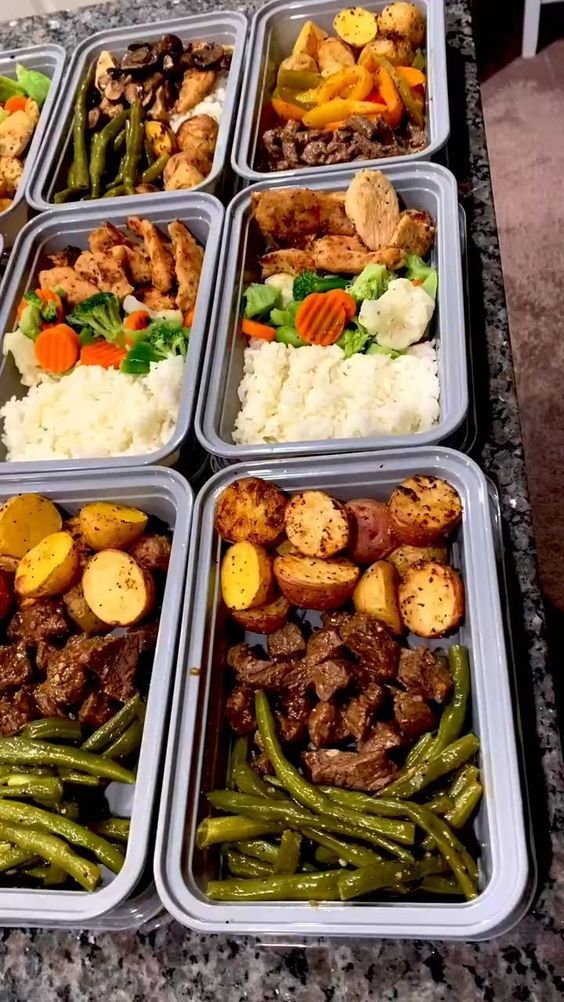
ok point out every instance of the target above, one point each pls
(388, 91)
(412, 76)
(353, 83)
(337, 110)
(252, 328)
(286, 110)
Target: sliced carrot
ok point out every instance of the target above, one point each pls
(344, 299)
(188, 318)
(16, 103)
(252, 328)
(109, 356)
(412, 76)
(137, 321)
(320, 320)
(57, 348)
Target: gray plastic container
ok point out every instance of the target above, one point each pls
(423, 185)
(203, 215)
(225, 27)
(48, 59)
(275, 28)
(197, 749)
(166, 495)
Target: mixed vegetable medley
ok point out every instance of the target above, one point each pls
(79, 607)
(358, 94)
(352, 771)
(21, 101)
(147, 121)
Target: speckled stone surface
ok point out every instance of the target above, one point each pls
(170, 963)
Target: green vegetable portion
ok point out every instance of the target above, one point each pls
(353, 340)
(309, 282)
(260, 300)
(371, 283)
(425, 274)
(35, 84)
(101, 313)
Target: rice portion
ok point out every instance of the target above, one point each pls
(302, 394)
(94, 412)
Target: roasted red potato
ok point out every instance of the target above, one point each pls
(424, 509)
(250, 510)
(431, 599)
(371, 536)
(311, 583)
(316, 524)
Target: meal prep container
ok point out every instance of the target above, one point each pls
(166, 495)
(48, 59)
(422, 186)
(203, 215)
(275, 28)
(224, 27)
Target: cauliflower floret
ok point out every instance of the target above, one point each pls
(285, 285)
(400, 317)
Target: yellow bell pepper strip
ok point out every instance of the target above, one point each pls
(412, 76)
(286, 110)
(336, 111)
(354, 83)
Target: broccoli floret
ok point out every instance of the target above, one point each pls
(101, 313)
(167, 337)
(309, 282)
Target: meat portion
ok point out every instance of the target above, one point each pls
(421, 671)
(325, 724)
(86, 266)
(413, 714)
(159, 253)
(331, 677)
(47, 702)
(353, 770)
(358, 713)
(196, 85)
(240, 710)
(322, 645)
(287, 642)
(65, 677)
(45, 620)
(188, 260)
(287, 214)
(155, 300)
(332, 216)
(74, 288)
(97, 709)
(384, 736)
(114, 660)
(113, 267)
(15, 666)
(414, 232)
(292, 145)
(17, 710)
(348, 255)
(289, 260)
(279, 676)
(293, 717)
(336, 620)
(43, 654)
(377, 652)
(152, 553)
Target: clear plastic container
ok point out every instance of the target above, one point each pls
(197, 750)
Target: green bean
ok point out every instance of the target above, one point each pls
(238, 756)
(54, 850)
(242, 866)
(22, 751)
(119, 140)
(13, 858)
(326, 856)
(53, 729)
(352, 853)
(116, 191)
(154, 170)
(67, 194)
(49, 874)
(384, 874)
(440, 804)
(464, 805)
(47, 788)
(421, 746)
(113, 828)
(233, 829)
(289, 852)
(27, 814)
(79, 778)
(265, 851)
(454, 714)
(440, 885)
(283, 887)
(308, 868)
(134, 143)
(127, 743)
(99, 150)
(419, 776)
(248, 781)
(113, 727)
(68, 809)
(466, 774)
(78, 172)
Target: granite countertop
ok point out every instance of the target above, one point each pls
(170, 963)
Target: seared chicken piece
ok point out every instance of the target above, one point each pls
(188, 259)
(181, 173)
(11, 171)
(155, 300)
(87, 267)
(414, 232)
(113, 267)
(107, 236)
(349, 256)
(196, 85)
(287, 215)
(332, 216)
(73, 287)
(160, 254)
(65, 258)
(371, 203)
(15, 134)
(290, 261)
(32, 109)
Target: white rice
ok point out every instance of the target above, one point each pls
(211, 105)
(302, 394)
(94, 412)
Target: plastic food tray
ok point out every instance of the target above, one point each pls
(224, 27)
(196, 753)
(275, 28)
(48, 59)
(203, 215)
(424, 186)
(166, 495)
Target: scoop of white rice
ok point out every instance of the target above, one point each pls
(301, 394)
(94, 412)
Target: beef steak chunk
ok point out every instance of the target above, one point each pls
(44, 620)
(376, 650)
(15, 666)
(358, 713)
(353, 770)
(65, 677)
(97, 709)
(114, 660)
(421, 671)
(240, 710)
(293, 716)
(330, 677)
(287, 642)
(322, 645)
(413, 714)
(325, 724)
(257, 673)
(336, 620)
(16, 710)
(384, 736)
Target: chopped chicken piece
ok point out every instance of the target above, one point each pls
(349, 256)
(290, 261)
(87, 267)
(65, 258)
(181, 174)
(160, 254)
(74, 288)
(188, 260)
(15, 134)
(287, 215)
(371, 203)
(414, 232)
(332, 216)
(112, 266)
(11, 170)
(105, 236)
(155, 300)
(138, 265)
(196, 85)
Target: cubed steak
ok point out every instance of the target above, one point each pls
(358, 712)
(44, 620)
(258, 673)
(413, 714)
(97, 709)
(240, 710)
(330, 677)
(287, 642)
(377, 652)
(15, 711)
(15, 666)
(323, 645)
(353, 770)
(384, 736)
(421, 671)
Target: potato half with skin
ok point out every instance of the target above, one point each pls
(311, 583)
(356, 26)
(334, 55)
(317, 524)
(285, 548)
(24, 521)
(117, 589)
(250, 509)
(371, 534)
(105, 525)
(397, 49)
(80, 612)
(246, 576)
(50, 568)
(377, 594)
(264, 618)
(405, 19)
(403, 557)
(424, 509)
(431, 599)
(308, 40)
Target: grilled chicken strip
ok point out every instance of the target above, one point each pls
(196, 85)
(188, 260)
(414, 232)
(349, 256)
(160, 255)
(290, 261)
(73, 287)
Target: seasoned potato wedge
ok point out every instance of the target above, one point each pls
(108, 526)
(160, 139)
(308, 40)
(250, 509)
(377, 594)
(9, 564)
(397, 49)
(24, 521)
(311, 583)
(299, 61)
(371, 535)
(356, 26)
(334, 55)
(404, 556)
(117, 589)
(80, 612)
(316, 524)
(431, 598)
(424, 509)
(404, 19)
(50, 568)
(264, 618)
(285, 548)
(246, 576)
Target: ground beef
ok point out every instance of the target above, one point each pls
(377, 652)
(44, 620)
(413, 714)
(287, 642)
(15, 666)
(16, 711)
(97, 709)
(239, 710)
(421, 671)
(353, 770)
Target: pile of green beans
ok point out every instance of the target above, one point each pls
(42, 770)
(290, 840)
